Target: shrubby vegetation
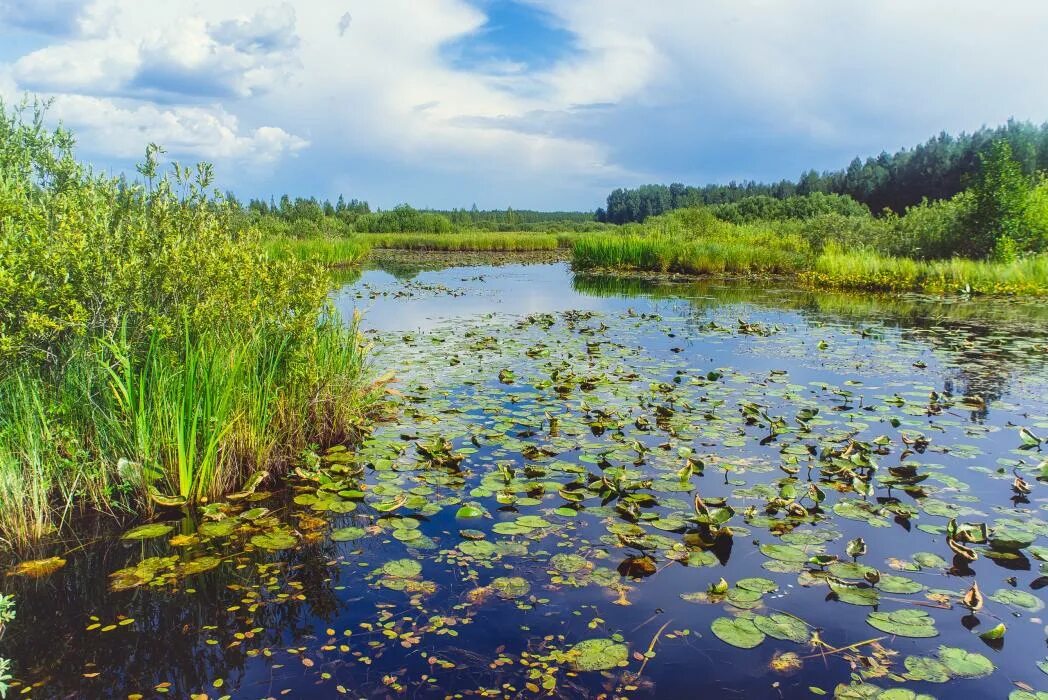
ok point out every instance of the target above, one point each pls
(989, 238)
(149, 345)
(937, 169)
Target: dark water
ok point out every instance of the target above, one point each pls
(579, 417)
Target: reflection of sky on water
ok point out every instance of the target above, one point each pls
(510, 289)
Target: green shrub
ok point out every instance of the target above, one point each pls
(403, 219)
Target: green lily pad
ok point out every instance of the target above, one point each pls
(275, 540)
(1017, 599)
(738, 632)
(510, 587)
(904, 623)
(147, 532)
(347, 534)
(402, 568)
(782, 626)
(924, 668)
(965, 664)
(598, 655)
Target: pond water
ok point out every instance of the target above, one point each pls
(607, 487)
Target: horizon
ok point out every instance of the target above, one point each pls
(529, 104)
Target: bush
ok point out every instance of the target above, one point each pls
(148, 342)
(403, 219)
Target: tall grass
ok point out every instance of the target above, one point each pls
(466, 241)
(330, 252)
(869, 271)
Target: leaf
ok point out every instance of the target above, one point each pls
(904, 623)
(965, 664)
(402, 568)
(510, 587)
(470, 510)
(275, 540)
(598, 655)
(784, 552)
(994, 633)
(898, 584)
(217, 528)
(147, 532)
(347, 534)
(37, 568)
(927, 560)
(162, 500)
(760, 585)
(855, 595)
(782, 626)
(1028, 438)
(738, 632)
(924, 668)
(1017, 599)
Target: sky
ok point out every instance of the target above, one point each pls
(534, 104)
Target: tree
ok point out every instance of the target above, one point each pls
(1001, 193)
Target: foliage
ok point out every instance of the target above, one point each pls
(403, 219)
(936, 169)
(148, 342)
(1000, 193)
(481, 241)
(330, 252)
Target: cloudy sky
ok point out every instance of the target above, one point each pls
(523, 103)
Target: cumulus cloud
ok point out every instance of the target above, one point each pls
(122, 130)
(653, 91)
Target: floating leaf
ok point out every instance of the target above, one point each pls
(904, 623)
(598, 655)
(347, 534)
(37, 568)
(402, 568)
(275, 540)
(782, 626)
(965, 664)
(147, 532)
(739, 632)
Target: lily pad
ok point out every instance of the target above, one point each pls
(598, 655)
(147, 532)
(738, 632)
(904, 623)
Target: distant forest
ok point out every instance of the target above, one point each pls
(936, 169)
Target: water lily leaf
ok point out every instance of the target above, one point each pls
(402, 568)
(738, 632)
(598, 655)
(855, 595)
(37, 568)
(784, 552)
(217, 528)
(924, 668)
(470, 510)
(510, 587)
(147, 532)
(275, 540)
(761, 585)
(898, 584)
(347, 534)
(927, 560)
(200, 565)
(782, 626)
(1018, 599)
(568, 563)
(965, 664)
(904, 623)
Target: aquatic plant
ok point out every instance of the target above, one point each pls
(466, 241)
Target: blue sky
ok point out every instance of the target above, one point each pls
(525, 103)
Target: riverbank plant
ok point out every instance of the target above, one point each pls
(467, 241)
(330, 252)
(150, 350)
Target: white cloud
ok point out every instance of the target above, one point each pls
(367, 80)
(123, 130)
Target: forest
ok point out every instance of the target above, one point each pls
(937, 169)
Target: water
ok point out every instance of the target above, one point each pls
(579, 417)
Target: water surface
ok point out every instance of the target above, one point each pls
(562, 448)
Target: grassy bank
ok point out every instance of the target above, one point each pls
(330, 252)
(867, 270)
(836, 253)
(151, 352)
(465, 241)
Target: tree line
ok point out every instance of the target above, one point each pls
(940, 168)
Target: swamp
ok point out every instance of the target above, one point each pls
(599, 485)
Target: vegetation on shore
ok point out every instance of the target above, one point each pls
(990, 239)
(151, 351)
(466, 241)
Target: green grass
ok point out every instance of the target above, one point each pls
(186, 423)
(465, 241)
(866, 270)
(330, 252)
(751, 252)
